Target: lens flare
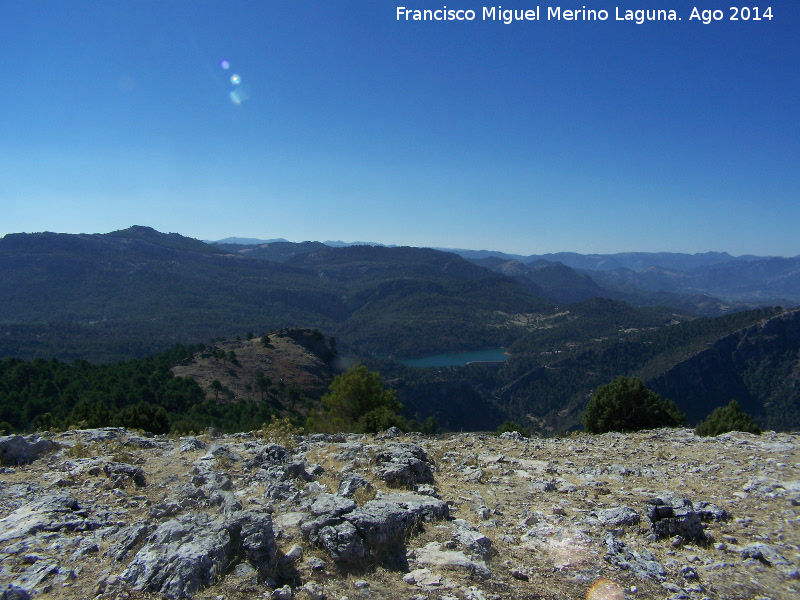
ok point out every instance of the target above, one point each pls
(235, 79)
(605, 589)
(239, 95)
(225, 64)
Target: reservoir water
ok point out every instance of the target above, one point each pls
(456, 359)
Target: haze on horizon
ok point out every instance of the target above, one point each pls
(329, 121)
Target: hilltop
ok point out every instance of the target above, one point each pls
(280, 368)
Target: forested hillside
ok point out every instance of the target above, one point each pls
(113, 296)
(548, 391)
(234, 385)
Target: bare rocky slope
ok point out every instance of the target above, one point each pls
(110, 513)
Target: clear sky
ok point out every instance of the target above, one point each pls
(528, 137)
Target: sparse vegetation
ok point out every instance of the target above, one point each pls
(281, 431)
(513, 426)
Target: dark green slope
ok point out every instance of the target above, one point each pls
(758, 366)
(149, 290)
(548, 392)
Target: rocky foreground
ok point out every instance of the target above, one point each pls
(110, 513)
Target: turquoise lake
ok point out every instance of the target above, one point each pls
(455, 359)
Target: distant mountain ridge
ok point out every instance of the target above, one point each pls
(710, 283)
(143, 291)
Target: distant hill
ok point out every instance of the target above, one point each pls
(246, 241)
(232, 385)
(548, 390)
(135, 292)
(710, 284)
(298, 363)
(765, 280)
(341, 244)
(553, 280)
(143, 291)
(758, 366)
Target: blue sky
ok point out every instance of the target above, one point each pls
(531, 137)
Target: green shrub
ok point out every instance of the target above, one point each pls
(430, 426)
(626, 404)
(145, 416)
(357, 402)
(725, 419)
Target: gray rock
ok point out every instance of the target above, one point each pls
(127, 538)
(282, 491)
(403, 465)
(470, 538)
(427, 490)
(256, 538)
(390, 434)
(185, 555)
(765, 553)
(343, 542)
(671, 515)
(422, 508)
(180, 557)
(642, 564)
(381, 524)
(14, 593)
(33, 579)
(350, 451)
(616, 516)
(331, 505)
(284, 593)
(205, 476)
(294, 553)
(164, 509)
(117, 471)
(314, 591)
(17, 450)
(52, 512)
(190, 444)
(512, 435)
(432, 554)
(220, 451)
(543, 485)
(352, 482)
(710, 512)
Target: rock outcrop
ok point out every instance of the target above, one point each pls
(467, 516)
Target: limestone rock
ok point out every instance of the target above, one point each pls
(180, 557)
(16, 449)
(616, 516)
(642, 564)
(432, 554)
(671, 515)
(352, 482)
(403, 465)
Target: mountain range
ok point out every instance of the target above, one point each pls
(129, 293)
(709, 283)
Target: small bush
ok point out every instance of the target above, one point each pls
(364, 494)
(281, 432)
(430, 426)
(725, 419)
(626, 404)
(79, 450)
